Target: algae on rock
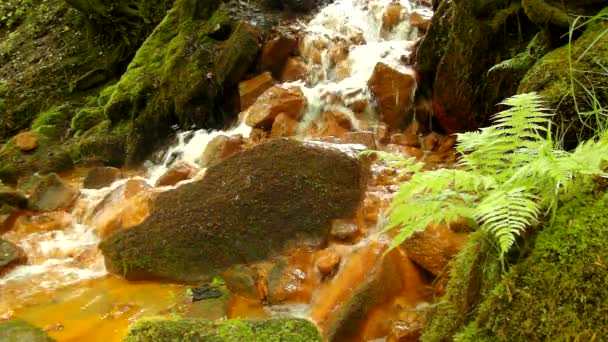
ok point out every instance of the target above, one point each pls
(182, 74)
(271, 330)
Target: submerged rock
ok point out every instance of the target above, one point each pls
(159, 330)
(100, 177)
(245, 209)
(52, 193)
(10, 256)
(21, 331)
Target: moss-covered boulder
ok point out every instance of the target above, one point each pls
(245, 209)
(273, 330)
(21, 331)
(574, 82)
(559, 292)
(466, 39)
(184, 74)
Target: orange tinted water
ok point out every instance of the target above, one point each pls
(100, 309)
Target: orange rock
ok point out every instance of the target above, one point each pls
(295, 69)
(338, 53)
(56, 220)
(251, 89)
(430, 141)
(220, 148)
(410, 151)
(391, 16)
(421, 18)
(335, 123)
(393, 89)
(382, 133)
(433, 248)
(447, 143)
(114, 200)
(283, 126)
(130, 213)
(404, 139)
(276, 51)
(26, 141)
(177, 173)
(276, 100)
(327, 261)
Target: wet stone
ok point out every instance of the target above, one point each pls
(52, 193)
(26, 141)
(344, 229)
(242, 281)
(10, 255)
(101, 177)
(12, 197)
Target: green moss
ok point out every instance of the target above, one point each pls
(85, 119)
(179, 74)
(559, 292)
(53, 122)
(577, 100)
(21, 331)
(475, 272)
(274, 330)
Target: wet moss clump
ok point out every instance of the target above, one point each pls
(559, 292)
(573, 80)
(20, 331)
(246, 208)
(273, 330)
(183, 74)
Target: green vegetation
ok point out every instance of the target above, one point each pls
(273, 330)
(510, 174)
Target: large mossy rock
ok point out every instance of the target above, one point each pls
(273, 330)
(466, 39)
(21, 331)
(573, 81)
(245, 209)
(559, 292)
(184, 74)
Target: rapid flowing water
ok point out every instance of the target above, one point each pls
(65, 287)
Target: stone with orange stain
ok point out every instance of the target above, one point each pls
(283, 126)
(404, 139)
(433, 248)
(447, 143)
(278, 99)
(338, 53)
(355, 304)
(287, 283)
(295, 69)
(26, 141)
(101, 177)
(421, 18)
(391, 16)
(276, 52)
(130, 213)
(342, 229)
(179, 172)
(44, 222)
(335, 123)
(393, 89)
(251, 89)
(327, 261)
(382, 133)
(220, 148)
(242, 280)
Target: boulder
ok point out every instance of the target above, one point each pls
(177, 173)
(276, 100)
(393, 89)
(276, 52)
(26, 141)
(21, 331)
(101, 177)
(251, 89)
(164, 329)
(10, 255)
(434, 248)
(52, 193)
(246, 209)
(220, 148)
(295, 69)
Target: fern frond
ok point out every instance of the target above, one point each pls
(505, 214)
